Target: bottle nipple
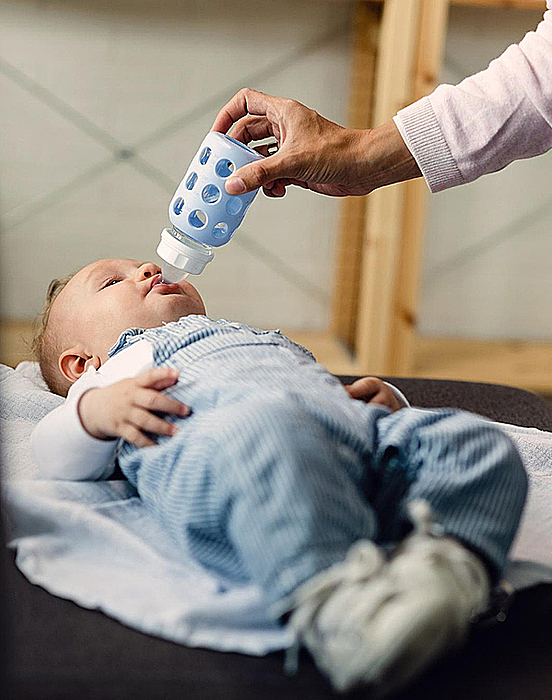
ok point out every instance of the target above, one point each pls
(171, 274)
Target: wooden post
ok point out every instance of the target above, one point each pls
(386, 343)
(383, 231)
(431, 41)
(351, 226)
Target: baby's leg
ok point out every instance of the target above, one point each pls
(262, 490)
(466, 469)
(383, 628)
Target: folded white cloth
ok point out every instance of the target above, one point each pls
(88, 541)
(534, 538)
(96, 544)
(24, 400)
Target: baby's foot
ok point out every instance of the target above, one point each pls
(385, 627)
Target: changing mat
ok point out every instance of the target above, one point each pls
(94, 542)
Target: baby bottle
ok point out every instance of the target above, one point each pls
(203, 215)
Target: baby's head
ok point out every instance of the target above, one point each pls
(86, 312)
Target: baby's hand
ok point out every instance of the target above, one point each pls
(373, 390)
(124, 409)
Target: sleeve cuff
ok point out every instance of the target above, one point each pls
(94, 451)
(420, 130)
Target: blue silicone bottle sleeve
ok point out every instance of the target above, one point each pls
(201, 208)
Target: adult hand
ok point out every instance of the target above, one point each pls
(313, 152)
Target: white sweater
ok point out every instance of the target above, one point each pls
(490, 119)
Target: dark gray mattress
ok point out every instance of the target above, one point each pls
(54, 650)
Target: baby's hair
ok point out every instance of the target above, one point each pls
(46, 343)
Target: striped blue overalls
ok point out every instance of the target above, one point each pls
(277, 471)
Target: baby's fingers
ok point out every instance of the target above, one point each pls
(158, 378)
(131, 434)
(364, 388)
(152, 400)
(144, 420)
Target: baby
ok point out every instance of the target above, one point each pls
(264, 468)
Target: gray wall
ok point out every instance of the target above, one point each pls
(81, 83)
(488, 254)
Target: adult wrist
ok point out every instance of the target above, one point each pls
(385, 157)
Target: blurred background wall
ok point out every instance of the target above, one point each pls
(487, 268)
(104, 104)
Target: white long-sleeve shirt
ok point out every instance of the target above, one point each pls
(487, 121)
(62, 448)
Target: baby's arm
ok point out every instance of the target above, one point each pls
(77, 440)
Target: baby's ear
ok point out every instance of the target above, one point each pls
(73, 363)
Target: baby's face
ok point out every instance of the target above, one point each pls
(108, 296)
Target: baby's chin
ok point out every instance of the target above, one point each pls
(174, 306)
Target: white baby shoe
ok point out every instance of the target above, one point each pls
(368, 622)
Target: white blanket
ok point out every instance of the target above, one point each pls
(86, 541)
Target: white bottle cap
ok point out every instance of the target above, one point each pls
(183, 252)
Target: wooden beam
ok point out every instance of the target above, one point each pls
(431, 42)
(382, 236)
(351, 226)
(515, 4)
(525, 364)
(348, 270)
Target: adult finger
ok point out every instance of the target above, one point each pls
(246, 101)
(279, 187)
(257, 174)
(275, 189)
(152, 400)
(252, 128)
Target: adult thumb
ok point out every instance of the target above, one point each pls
(255, 175)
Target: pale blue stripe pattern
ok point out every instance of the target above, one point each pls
(278, 472)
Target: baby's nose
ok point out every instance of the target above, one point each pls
(148, 270)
